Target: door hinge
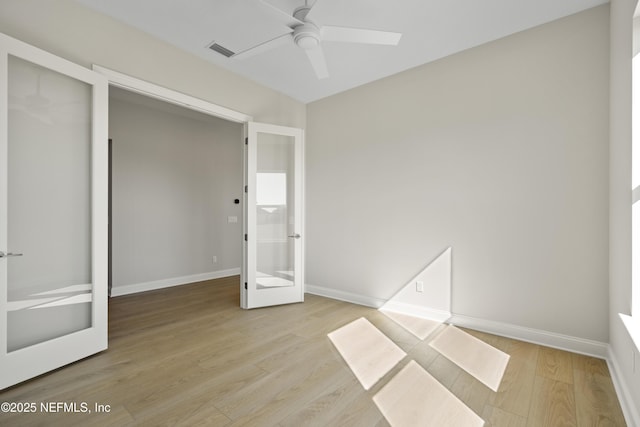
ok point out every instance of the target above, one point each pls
(246, 188)
(246, 141)
(245, 238)
(245, 285)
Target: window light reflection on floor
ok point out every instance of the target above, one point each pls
(367, 351)
(484, 362)
(413, 397)
(419, 327)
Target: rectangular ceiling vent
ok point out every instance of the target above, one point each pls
(221, 50)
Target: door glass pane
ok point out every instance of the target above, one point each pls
(49, 200)
(275, 211)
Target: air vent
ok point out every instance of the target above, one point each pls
(221, 50)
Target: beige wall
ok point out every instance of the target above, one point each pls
(500, 152)
(176, 174)
(76, 33)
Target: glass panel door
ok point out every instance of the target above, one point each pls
(274, 216)
(53, 212)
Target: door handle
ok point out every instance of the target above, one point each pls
(295, 236)
(8, 254)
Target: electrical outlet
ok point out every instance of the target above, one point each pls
(214, 259)
(419, 286)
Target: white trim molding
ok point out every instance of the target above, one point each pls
(171, 96)
(344, 296)
(117, 291)
(535, 336)
(631, 414)
(418, 311)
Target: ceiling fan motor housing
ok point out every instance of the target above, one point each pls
(306, 36)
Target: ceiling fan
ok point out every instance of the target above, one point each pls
(48, 108)
(309, 37)
(35, 104)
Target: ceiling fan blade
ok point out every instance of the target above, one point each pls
(263, 47)
(41, 117)
(316, 57)
(284, 17)
(359, 35)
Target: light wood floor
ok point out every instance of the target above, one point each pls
(190, 356)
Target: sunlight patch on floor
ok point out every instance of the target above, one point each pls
(367, 351)
(419, 327)
(486, 363)
(414, 398)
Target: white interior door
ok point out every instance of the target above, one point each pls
(53, 207)
(273, 230)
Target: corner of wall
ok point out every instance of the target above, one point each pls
(629, 409)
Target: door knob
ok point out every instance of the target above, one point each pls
(8, 254)
(295, 236)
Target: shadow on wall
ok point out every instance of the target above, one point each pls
(427, 295)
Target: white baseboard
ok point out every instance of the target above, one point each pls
(416, 311)
(344, 296)
(535, 336)
(173, 281)
(629, 409)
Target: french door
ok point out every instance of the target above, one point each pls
(53, 207)
(273, 220)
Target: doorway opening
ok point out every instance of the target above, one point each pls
(258, 138)
(176, 186)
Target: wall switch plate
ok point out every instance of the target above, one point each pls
(419, 286)
(214, 259)
(232, 219)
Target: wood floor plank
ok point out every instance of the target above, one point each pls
(515, 392)
(590, 365)
(401, 336)
(281, 393)
(444, 370)
(320, 411)
(596, 400)
(423, 353)
(190, 356)
(555, 364)
(414, 397)
(361, 412)
(552, 405)
(500, 343)
(471, 391)
(196, 410)
(495, 417)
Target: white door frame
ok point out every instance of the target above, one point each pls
(155, 91)
(152, 90)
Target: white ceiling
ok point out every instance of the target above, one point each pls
(431, 29)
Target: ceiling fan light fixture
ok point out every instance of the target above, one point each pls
(306, 36)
